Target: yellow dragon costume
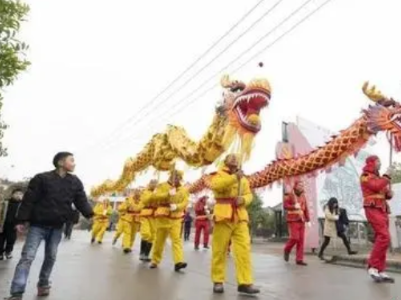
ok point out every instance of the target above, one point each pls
(101, 220)
(148, 223)
(171, 199)
(236, 120)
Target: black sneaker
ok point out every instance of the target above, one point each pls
(99, 242)
(127, 250)
(43, 291)
(196, 248)
(218, 288)
(180, 266)
(302, 263)
(205, 247)
(286, 256)
(352, 252)
(92, 240)
(248, 289)
(9, 256)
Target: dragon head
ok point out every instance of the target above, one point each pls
(243, 102)
(241, 107)
(384, 116)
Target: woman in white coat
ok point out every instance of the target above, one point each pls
(332, 216)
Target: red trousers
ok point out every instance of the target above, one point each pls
(202, 225)
(380, 224)
(297, 237)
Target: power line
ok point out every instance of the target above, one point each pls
(219, 54)
(141, 118)
(281, 36)
(185, 101)
(149, 104)
(257, 54)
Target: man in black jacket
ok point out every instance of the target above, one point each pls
(8, 233)
(46, 206)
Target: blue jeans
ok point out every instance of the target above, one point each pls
(36, 235)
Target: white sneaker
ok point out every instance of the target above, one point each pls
(374, 274)
(386, 278)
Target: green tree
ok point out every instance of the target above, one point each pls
(396, 173)
(12, 50)
(258, 217)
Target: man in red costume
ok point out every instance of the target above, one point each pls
(376, 191)
(297, 215)
(202, 214)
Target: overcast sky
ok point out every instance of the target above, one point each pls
(96, 63)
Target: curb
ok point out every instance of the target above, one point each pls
(361, 262)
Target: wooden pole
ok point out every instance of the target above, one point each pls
(390, 166)
(391, 150)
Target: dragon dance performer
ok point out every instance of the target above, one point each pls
(297, 215)
(102, 211)
(376, 191)
(232, 193)
(119, 226)
(202, 214)
(148, 226)
(172, 199)
(129, 211)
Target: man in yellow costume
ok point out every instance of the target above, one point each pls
(101, 222)
(232, 194)
(119, 227)
(129, 211)
(148, 226)
(172, 199)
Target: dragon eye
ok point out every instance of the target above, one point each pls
(237, 88)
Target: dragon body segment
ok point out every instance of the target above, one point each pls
(236, 118)
(385, 116)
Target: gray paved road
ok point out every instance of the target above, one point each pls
(85, 272)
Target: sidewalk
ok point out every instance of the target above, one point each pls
(360, 261)
(334, 256)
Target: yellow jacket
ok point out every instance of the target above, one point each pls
(162, 199)
(102, 212)
(129, 210)
(225, 190)
(147, 203)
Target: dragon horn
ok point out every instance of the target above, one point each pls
(225, 81)
(372, 93)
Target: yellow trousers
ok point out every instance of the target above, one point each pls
(119, 230)
(168, 228)
(148, 229)
(98, 230)
(130, 230)
(239, 234)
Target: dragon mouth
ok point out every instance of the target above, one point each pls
(247, 107)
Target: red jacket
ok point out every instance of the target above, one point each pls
(375, 189)
(200, 212)
(294, 214)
